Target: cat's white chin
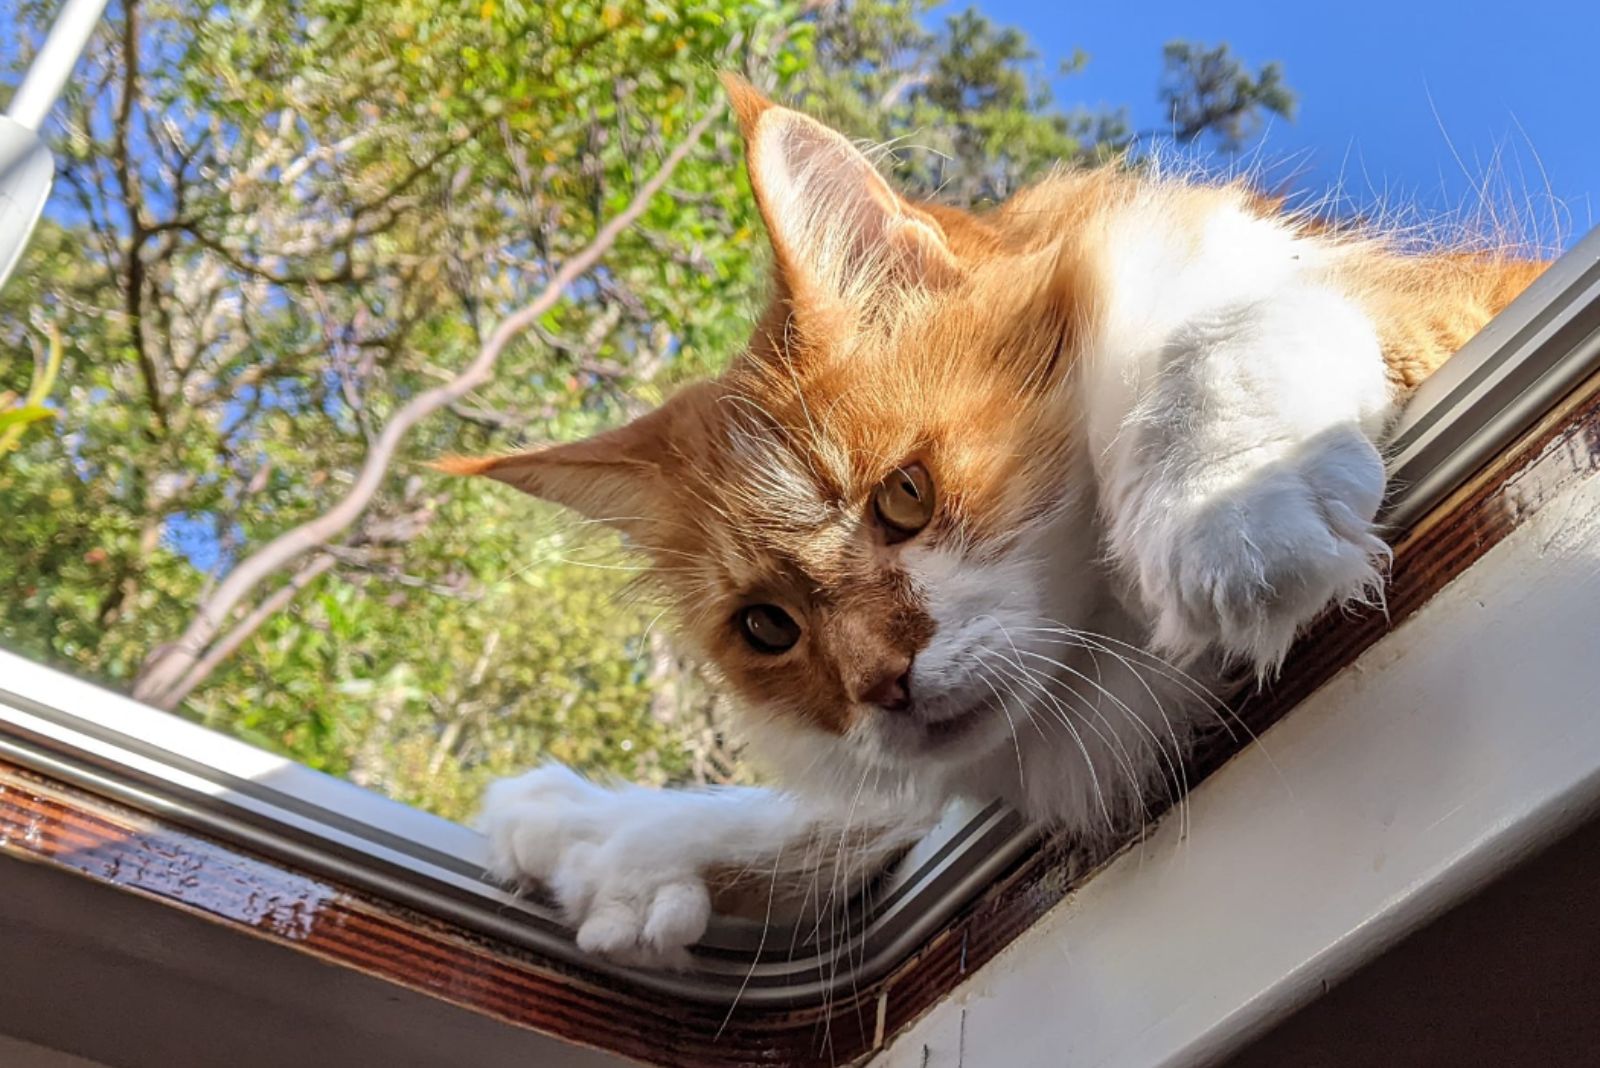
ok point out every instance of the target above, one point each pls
(901, 739)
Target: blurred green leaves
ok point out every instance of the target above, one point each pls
(276, 223)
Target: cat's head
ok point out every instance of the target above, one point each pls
(859, 522)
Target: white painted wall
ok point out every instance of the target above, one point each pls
(1456, 745)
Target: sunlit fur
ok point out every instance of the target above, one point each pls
(1151, 408)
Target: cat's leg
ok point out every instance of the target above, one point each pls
(1242, 483)
(638, 871)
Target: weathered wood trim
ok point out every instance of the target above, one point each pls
(64, 826)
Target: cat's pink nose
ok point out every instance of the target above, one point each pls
(890, 690)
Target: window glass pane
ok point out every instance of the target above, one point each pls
(276, 228)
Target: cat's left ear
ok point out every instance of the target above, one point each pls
(838, 230)
(614, 477)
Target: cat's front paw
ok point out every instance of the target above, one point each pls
(1244, 568)
(621, 874)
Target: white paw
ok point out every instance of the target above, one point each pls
(607, 856)
(1244, 568)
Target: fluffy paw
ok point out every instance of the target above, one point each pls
(1245, 567)
(607, 856)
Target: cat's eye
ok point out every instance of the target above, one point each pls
(903, 502)
(768, 628)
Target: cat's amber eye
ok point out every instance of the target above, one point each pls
(903, 502)
(768, 628)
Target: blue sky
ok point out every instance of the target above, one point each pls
(1403, 100)
(1415, 101)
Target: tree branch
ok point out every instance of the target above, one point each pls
(229, 643)
(128, 179)
(901, 87)
(421, 169)
(174, 670)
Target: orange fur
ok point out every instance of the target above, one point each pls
(948, 338)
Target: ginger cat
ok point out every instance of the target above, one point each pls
(982, 508)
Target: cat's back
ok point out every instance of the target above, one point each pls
(1157, 247)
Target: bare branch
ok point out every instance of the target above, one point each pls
(133, 204)
(419, 171)
(229, 643)
(345, 272)
(173, 671)
(489, 418)
(901, 87)
(461, 708)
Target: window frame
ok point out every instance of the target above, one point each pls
(158, 762)
(1464, 417)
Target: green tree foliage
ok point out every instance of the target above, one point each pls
(276, 223)
(965, 113)
(962, 112)
(279, 223)
(1207, 92)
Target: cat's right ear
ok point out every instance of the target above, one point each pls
(840, 234)
(614, 477)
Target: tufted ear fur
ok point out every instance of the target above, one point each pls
(839, 232)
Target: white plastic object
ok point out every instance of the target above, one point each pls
(26, 166)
